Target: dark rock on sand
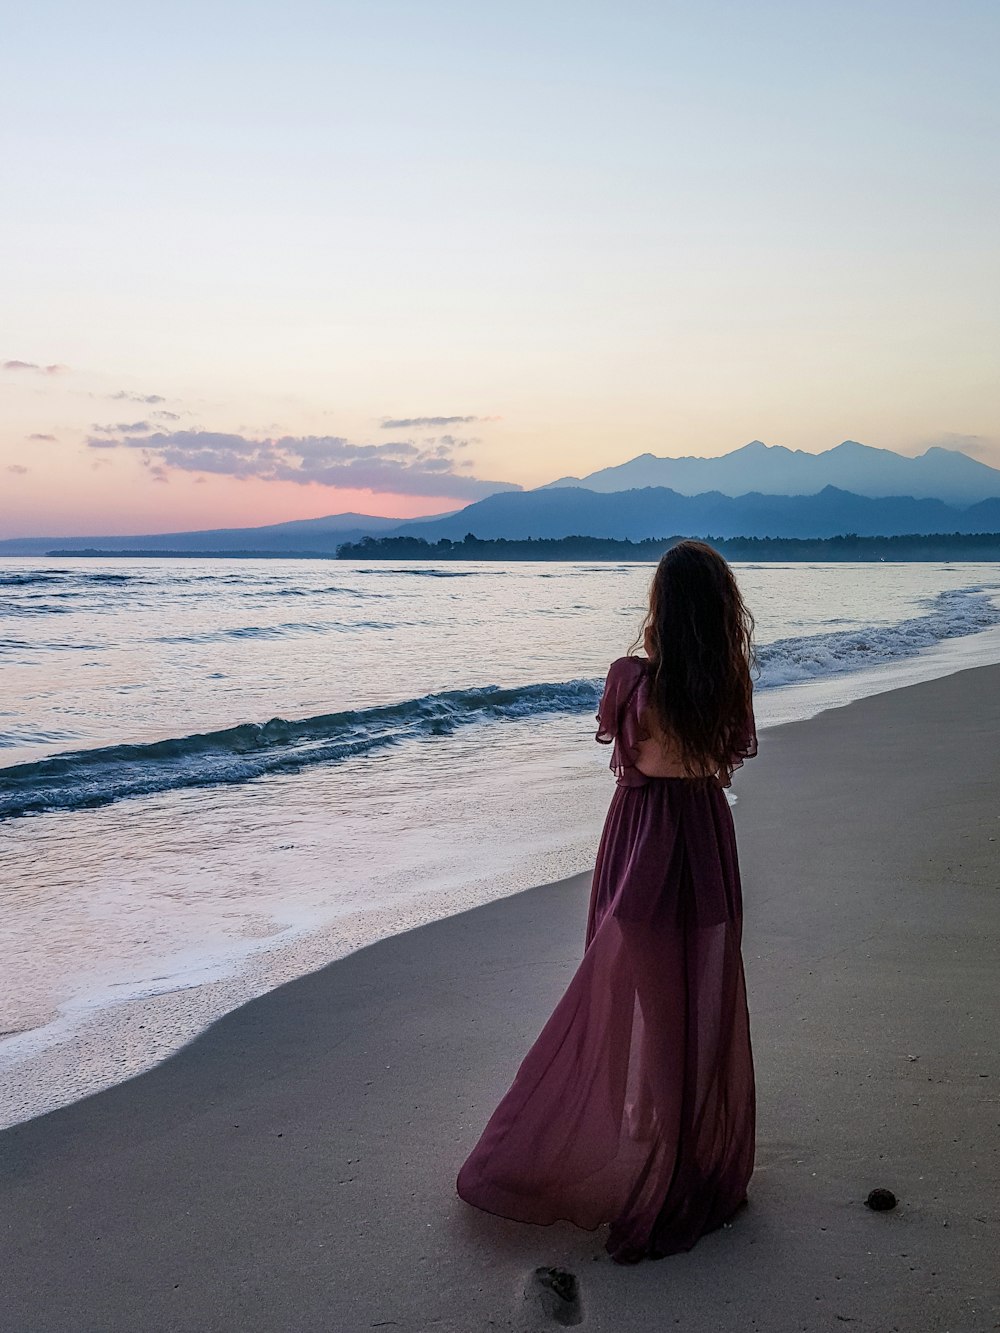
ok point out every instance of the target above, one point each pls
(558, 1292)
(880, 1201)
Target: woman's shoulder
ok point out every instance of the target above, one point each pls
(627, 668)
(623, 691)
(627, 680)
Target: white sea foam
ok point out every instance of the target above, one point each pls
(952, 614)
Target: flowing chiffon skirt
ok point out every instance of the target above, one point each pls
(635, 1106)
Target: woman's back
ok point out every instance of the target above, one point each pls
(642, 748)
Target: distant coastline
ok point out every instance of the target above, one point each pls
(152, 553)
(848, 548)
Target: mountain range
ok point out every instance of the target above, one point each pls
(757, 490)
(937, 474)
(656, 511)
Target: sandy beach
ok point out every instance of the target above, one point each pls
(293, 1168)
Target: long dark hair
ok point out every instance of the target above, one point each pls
(699, 637)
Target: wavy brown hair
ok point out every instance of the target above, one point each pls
(698, 635)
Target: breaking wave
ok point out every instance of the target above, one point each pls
(251, 750)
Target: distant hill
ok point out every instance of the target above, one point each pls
(938, 474)
(652, 511)
(302, 536)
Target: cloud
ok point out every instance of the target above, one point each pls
(406, 423)
(35, 367)
(48, 438)
(976, 446)
(397, 467)
(124, 428)
(167, 416)
(124, 396)
(18, 468)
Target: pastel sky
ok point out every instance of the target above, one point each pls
(264, 262)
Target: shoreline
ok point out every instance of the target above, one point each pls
(94, 1043)
(308, 1141)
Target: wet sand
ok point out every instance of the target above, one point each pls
(293, 1168)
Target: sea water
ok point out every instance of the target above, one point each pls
(218, 774)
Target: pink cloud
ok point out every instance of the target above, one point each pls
(397, 467)
(35, 367)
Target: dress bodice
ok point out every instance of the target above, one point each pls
(623, 721)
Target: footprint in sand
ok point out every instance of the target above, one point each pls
(558, 1293)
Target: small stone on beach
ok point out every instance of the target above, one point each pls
(881, 1200)
(559, 1294)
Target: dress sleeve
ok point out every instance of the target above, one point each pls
(618, 716)
(744, 745)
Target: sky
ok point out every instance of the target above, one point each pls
(266, 262)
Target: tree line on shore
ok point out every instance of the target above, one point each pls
(850, 547)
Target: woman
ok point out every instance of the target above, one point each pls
(635, 1106)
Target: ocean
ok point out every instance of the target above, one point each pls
(216, 775)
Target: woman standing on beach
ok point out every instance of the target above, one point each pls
(635, 1106)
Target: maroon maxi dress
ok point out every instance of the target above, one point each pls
(635, 1106)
